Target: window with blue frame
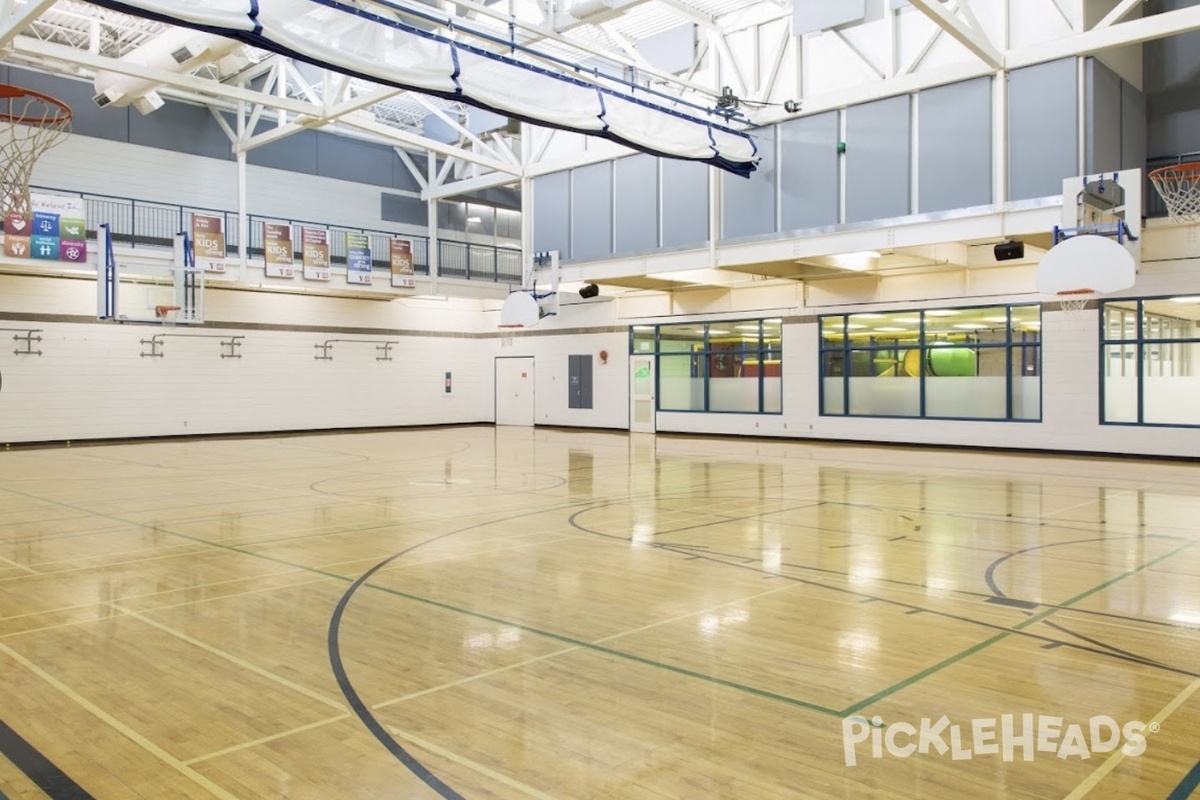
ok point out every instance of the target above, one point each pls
(729, 366)
(1151, 361)
(950, 363)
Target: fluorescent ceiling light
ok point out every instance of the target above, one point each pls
(1191, 298)
(940, 312)
(752, 328)
(715, 332)
(855, 327)
(969, 326)
(892, 330)
(867, 316)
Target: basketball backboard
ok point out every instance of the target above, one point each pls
(167, 293)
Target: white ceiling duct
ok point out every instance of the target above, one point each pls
(174, 50)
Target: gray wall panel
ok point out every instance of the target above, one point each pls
(748, 204)
(182, 128)
(817, 15)
(1043, 122)
(1170, 67)
(591, 211)
(636, 220)
(808, 171)
(401, 177)
(401, 208)
(297, 153)
(684, 203)
(878, 156)
(954, 146)
(452, 217)
(1103, 118)
(1133, 128)
(354, 160)
(551, 229)
(87, 119)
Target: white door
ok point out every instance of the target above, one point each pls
(514, 391)
(641, 394)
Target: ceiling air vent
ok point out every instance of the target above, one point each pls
(183, 55)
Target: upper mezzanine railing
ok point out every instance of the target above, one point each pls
(144, 223)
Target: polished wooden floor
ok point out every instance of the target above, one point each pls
(487, 612)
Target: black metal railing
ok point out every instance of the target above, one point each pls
(142, 223)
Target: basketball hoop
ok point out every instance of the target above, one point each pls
(1179, 187)
(168, 315)
(507, 334)
(30, 124)
(1073, 301)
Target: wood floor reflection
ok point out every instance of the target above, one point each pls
(485, 612)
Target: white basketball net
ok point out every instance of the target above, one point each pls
(1072, 303)
(1179, 186)
(30, 124)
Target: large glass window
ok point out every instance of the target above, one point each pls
(956, 363)
(731, 366)
(1151, 351)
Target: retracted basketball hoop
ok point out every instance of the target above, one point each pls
(167, 314)
(1179, 187)
(30, 124)
(508, 334)
(1077, 269)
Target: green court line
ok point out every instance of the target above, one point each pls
(792, 701)
(848, 711)
(970, 651)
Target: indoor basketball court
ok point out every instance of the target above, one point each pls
(652, 399)
(503, 612)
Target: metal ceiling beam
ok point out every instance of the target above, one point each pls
(16, 20)
(973, 40)
(546, 32)
(395, 135)
(454, 188)
(24, 45)
(1120, 12)
(1137, 31)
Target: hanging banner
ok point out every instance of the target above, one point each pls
(56, 231)
(402, 263)
(278, 255)
(315, 253)
(358, 258)
(208, 243)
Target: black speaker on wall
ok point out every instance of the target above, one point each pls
(1007, 251)
(589, 291)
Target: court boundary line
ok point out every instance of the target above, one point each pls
(470, 764)
(1110, 763)
(274, 737)
(1017, 628)
(539, 511)
(120, 727)
(41, 771)
(1188, 785)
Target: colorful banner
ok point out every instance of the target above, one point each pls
(278, 255)
(402, 263)
(208, 243)
(315, 253)
(57, 230)
(358, 258)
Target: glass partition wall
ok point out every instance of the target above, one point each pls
(1150, 353)
(728, 366)
(951, 363)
